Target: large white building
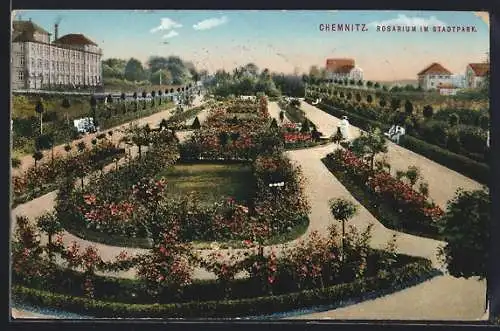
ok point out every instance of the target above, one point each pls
(343, 69)
(70, 61)
(434, 76)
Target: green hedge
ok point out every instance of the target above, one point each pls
(464, 165)
(407, 275)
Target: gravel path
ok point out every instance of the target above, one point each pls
(443, 182)
(153, 120)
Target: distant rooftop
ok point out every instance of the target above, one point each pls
(74, 39)
(435, 68)
(480, 69)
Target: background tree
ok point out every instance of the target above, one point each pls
(428, 112)
(382, 103)
(134, 71)
(342, 210)
(395, 104)
(408, 107)
(466, 230)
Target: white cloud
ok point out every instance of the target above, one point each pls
(210, 23)
(166, 24)
(406, 20)
(171, 34)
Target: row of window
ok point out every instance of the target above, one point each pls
(66, 78)
(48, 51)
(59, 65)
(439, 76)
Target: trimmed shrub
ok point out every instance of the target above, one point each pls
(475, 170)
(453, 120)
(428, 111)
(407, 275)
(473, 140)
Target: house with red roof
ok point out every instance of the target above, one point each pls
(476, 73)
(343, 68)
(433, 76)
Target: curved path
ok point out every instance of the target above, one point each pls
(434, 299)
(443, 182)
(152, 120)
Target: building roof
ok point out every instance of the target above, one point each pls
(446, 86)
(74, 39)
(339, 65)
(435, 68)
(480, 69)
(27, 26)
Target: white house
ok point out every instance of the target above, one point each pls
(72, 60)
(476, 73)
(433, 76)
(343, 69)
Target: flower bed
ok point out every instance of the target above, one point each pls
(392, 201)
(109, 209)
(39, 180)
(407, 275)
(476, 170)
(310, 273)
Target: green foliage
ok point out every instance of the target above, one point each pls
(466, 230)
(342, 209)
(408, 107)
(368, 145)
(15, 162)
(382, 102)
(305, 126)
(196, 124)
(44, 141)
(134, 70)
(38, 155)
(428, 112)
(453, 119)
(406, 275)
(473, 169)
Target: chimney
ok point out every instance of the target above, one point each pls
(56, 31)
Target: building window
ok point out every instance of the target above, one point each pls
(33, 64)
(47, 64)
(21, 60)
(20, 75)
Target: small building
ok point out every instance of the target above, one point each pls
(448, 89)
(433, 76)
(343, 69)
(476, 73)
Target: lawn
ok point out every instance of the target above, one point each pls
(212, 182)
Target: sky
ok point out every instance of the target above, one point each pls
(280, 40)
